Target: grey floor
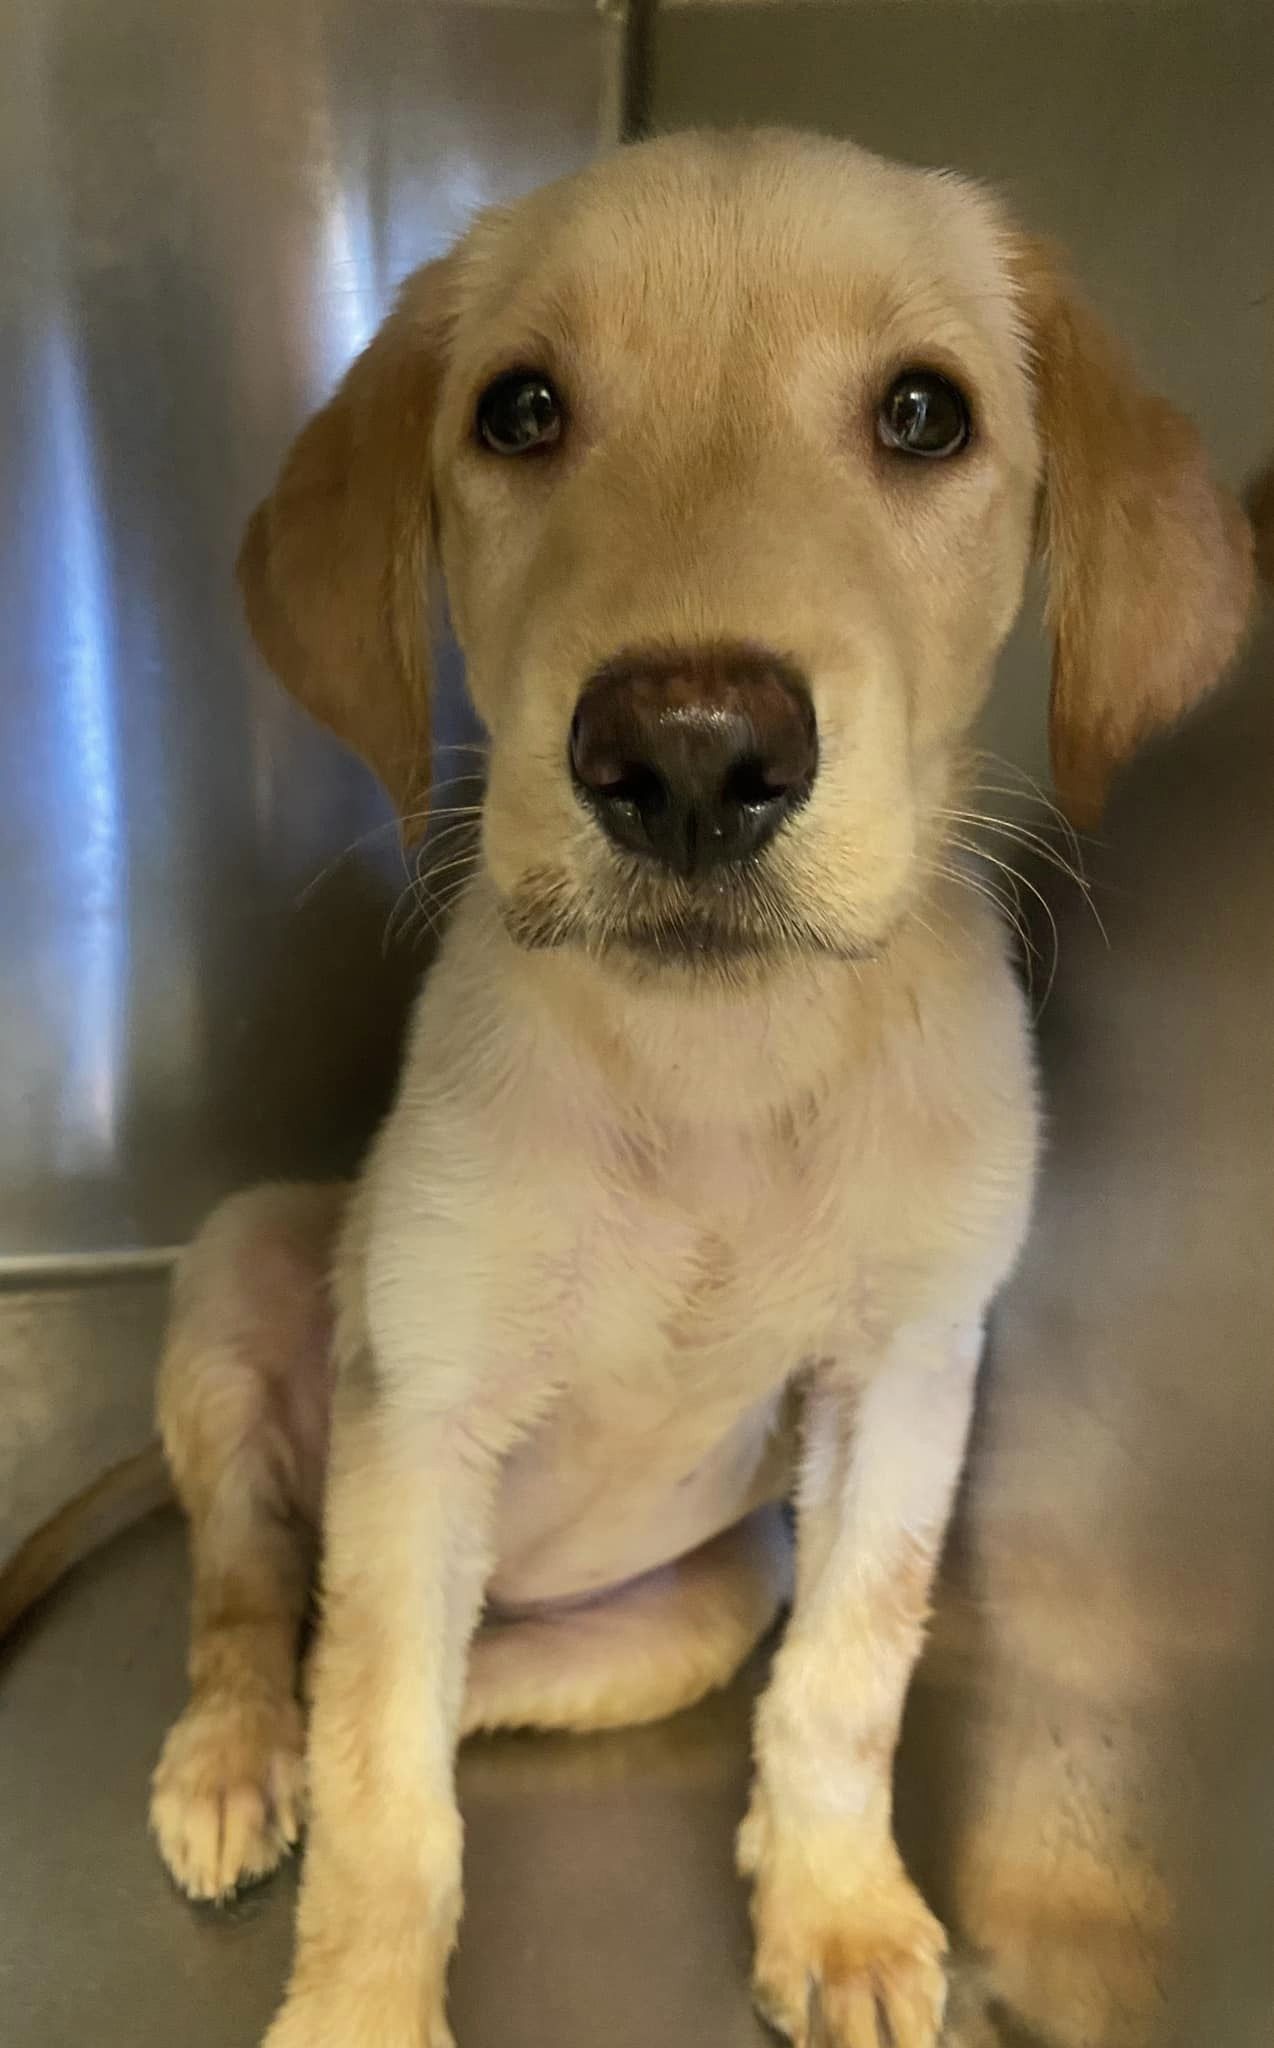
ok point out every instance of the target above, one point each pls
(601, 1901)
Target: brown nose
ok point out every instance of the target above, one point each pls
(694, 758)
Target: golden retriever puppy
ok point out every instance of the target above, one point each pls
(717, 1126)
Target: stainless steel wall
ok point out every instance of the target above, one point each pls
(204, 209)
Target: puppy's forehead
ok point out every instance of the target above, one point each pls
(714, 230)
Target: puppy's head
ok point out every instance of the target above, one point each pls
(732, 453)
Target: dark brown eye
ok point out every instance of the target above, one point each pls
(518, 413)
(924, 414)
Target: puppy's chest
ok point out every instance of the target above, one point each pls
(722, 1257)
(699, 1282)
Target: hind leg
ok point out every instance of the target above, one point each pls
(243, 1405)
(647, 1650)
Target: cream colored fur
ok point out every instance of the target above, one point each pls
(645, 1248)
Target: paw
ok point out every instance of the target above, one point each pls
(228, 1795)
(847, 1953)
(856, 1986)
(369, 2018)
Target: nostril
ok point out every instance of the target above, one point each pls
(752, 785)
(634, 783)
(630, 792)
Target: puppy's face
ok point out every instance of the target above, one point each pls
(731, 453)
(735, 469)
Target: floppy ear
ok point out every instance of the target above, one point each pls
(1149, 560)
(334, 565)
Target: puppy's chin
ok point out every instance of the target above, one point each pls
(730, 928)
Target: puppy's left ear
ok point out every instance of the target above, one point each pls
(1149, 559)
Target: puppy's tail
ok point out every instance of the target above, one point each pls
(104, 1509)
(1260, 510)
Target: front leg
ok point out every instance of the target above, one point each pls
(848, 1954)
(409, 1513)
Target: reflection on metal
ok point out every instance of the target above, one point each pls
(1101, 1699)
(87, 830)
(204, 212)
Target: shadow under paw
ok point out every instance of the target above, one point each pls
(977, 2018)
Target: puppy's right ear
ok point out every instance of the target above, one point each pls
(334, 566)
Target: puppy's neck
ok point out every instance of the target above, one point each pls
(695, 1049)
